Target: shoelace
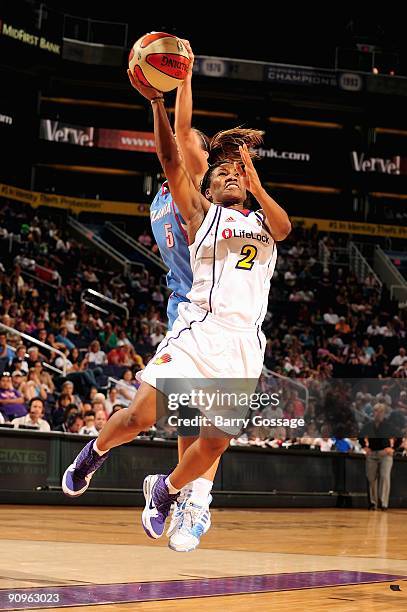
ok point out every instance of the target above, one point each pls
(182, 497)
(190, 516)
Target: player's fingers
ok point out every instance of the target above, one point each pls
(134, 80)
(247, 154)
(187, 46)
(239, 168)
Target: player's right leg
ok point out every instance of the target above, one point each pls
(122, 427)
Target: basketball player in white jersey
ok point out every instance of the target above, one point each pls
(198, 151)
(217, 335)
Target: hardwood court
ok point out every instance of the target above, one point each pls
(315, 558)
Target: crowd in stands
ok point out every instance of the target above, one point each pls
(322, 324)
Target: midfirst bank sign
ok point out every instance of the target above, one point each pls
(27, 38)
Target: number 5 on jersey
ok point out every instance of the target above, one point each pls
(169, 235)
(249, 251)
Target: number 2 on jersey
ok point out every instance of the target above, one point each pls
(169, 235)
(249, 251)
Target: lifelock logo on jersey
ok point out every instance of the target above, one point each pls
(228, 233)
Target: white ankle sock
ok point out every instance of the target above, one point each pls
(97, 450)
(171, 490)
(187, 488)
(201, 487)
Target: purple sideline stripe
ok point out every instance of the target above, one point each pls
(85, 595)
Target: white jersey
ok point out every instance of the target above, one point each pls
(233, 259)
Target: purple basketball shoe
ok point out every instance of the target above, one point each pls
(158, 505)
(77, 476)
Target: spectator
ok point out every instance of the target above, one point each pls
(95, 355)
(68, 388)
(116, 408)
(76, 360)
(123, 339)
(6, 353)
(99, 403)
(401, 371)
(380, 361)
(34, 416)
(100, 420)
(33, 387)
(121, 355)
(126, 388)
(72, 424)
(11, 401)
(157, 336)
(112, 399)
(18, 379)
(290, 277)
(47, 383)
(89, 428)
(34, 356)
(157, 296)
(378, 445)
(325, 442)
(20, 361)
(58, 415)
(108, 338)
(342, 445)
(374, 328)
(399, 359)
(342, 327)
(145, 239)
(330, 317)
(62, 338)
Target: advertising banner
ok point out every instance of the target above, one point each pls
(57, 131)
(300, 75)
(76, 205)
(125, 140)
(353, 227)
(394, 165)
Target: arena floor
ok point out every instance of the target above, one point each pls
(323, 559)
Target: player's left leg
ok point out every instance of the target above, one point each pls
(194, 500)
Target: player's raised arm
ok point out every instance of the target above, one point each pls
(192, 205)
(189, 140)
(277, 218)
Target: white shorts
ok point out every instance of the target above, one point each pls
(201, 346)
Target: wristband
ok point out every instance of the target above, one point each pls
(156, 99)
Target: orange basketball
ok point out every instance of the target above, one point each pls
(159, 60)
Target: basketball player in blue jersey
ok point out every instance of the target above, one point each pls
(171, 237)
(218, 333)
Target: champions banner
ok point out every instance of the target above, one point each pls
(75, 205)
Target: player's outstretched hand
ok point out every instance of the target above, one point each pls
(248, 172)
(191, 55)
(148, 92)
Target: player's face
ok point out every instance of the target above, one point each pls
(226, 185)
